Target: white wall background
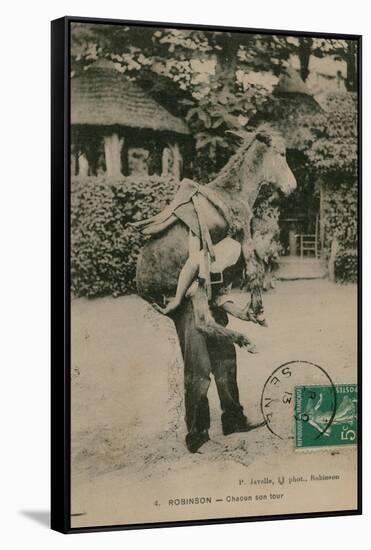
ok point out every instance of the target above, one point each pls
(24, 295)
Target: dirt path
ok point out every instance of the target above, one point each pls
(127, 395)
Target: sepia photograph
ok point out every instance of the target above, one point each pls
(213, 267)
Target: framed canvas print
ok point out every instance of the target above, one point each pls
(205, 274)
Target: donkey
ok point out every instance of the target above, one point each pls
(226, 204)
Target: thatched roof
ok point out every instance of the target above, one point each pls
(103, 96)
(290, 109)
(291, 82)
(292, 117)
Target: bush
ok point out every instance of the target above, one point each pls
(341, 217)
(335, 149)
(346, 266)
(104, 249)
(333, 156)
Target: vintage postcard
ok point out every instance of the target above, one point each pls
(214, 201)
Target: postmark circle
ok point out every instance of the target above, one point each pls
(293, 382)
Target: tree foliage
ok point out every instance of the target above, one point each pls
(204, 76)
(220, 81)
(334, 148)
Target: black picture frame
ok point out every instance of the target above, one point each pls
(60, 276)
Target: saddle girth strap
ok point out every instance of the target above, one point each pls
(208, 254)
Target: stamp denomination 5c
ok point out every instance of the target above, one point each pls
(314, 406)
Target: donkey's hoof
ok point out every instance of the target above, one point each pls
(251, 348)
(244, 342)
(261, 321)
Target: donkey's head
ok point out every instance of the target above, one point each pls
(261, 159)
(275, 169)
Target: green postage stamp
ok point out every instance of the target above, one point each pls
(325, 416)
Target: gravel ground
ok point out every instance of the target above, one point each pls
(127, 402)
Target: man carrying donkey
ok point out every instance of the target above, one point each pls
(201, 250)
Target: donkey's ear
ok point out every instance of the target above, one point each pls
(264, 137)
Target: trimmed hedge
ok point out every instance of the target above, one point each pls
(104, 249)
(342, 222)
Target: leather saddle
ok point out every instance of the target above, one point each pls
(186, 207)
(180, 206)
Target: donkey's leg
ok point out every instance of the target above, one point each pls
(254, 272)
(207, 325)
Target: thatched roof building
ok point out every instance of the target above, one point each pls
(108, 108)
(321, 140)
(104, 96)
(290, 110)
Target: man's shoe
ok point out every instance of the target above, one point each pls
(195, 440)
(232, 426)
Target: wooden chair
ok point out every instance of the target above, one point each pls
(308, 242)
